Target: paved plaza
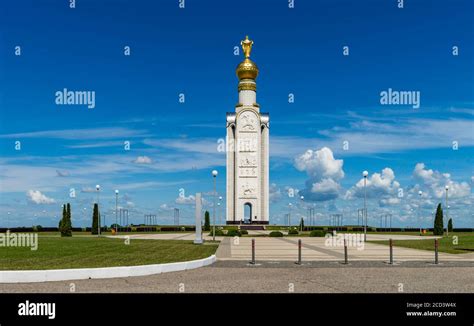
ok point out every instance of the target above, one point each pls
(322, 270)
(313, 249)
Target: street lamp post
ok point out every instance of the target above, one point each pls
(97, 188)
(220, 210)
(116, 212)
(447, 211)
(214, 175)
(365, 174)
(420, 193)
(302, 202)
(289, 215)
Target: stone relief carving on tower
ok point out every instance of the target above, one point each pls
(248, 190)
(249, 123)
(248, 172)
(247, 144)
(247, 161)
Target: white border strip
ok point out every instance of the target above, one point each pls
(49, 275)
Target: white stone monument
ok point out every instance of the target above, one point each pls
(198, 237)
(247, 150)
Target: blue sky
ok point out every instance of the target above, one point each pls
(191, 51)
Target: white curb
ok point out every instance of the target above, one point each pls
(95, 273)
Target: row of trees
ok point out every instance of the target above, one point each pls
(65, 225)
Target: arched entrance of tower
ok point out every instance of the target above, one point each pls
(247, 213)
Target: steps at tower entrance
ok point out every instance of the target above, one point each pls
(253, 227)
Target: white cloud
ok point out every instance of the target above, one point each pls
(433, 183)
(320, 163)
(389, 201)
(424, 175)
(112, 143)
(327, 187)
(367, 136)
(274, 193)
(92, 133)
(195, 145)
(324, 172)
(142, 160)
(382, 186)
(35, 196)
(462, 110)
(183, 200)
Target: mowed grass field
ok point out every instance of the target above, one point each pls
(90, 251)
(448, 244)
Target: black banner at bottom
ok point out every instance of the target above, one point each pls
(419, 308)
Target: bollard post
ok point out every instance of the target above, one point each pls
(391, 252)
(436, 251)
(345, 252)
(253, 252)
(299, 252)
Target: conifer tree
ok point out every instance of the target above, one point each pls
(65, 227)
(438, 222)
(301, 224)
(95, 219)
(207, 221)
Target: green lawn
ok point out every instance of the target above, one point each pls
(83, 252)
(446, 244)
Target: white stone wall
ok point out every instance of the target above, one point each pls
(247, 98)
(230, 174)
(247, 161)
(265, 175)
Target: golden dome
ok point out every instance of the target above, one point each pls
(247, 69)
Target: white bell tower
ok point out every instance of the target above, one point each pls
(247, 150)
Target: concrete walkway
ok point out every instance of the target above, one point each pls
(313, 249)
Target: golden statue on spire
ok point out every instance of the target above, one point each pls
(247, 69)
(246, 46)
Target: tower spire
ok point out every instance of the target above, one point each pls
(246, 46)
(247, 69)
